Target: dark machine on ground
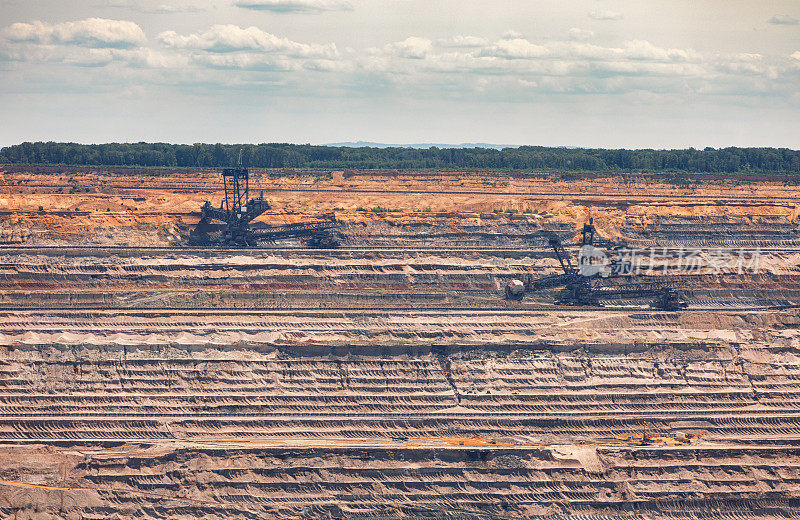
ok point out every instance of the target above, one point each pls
(237, 210)
(591, 280)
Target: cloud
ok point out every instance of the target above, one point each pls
(511, 34)
(509, 68)
(605, 15)
(463, 42)
(232, 38)
(295, 6)
(580, 34)
(268, 63)
(525, 68)
(749, 56)
(412, 48)
(93, 57)
(92, 32)
(522, 58)
(150, 59)
(517, 48)
(644, 50)
(783, 19)
(149, 6)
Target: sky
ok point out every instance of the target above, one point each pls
(595, 73)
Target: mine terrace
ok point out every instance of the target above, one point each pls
(433, 353)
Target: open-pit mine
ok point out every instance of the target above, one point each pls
(439, 360)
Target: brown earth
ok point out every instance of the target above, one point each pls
(377, 382)
(159, 210)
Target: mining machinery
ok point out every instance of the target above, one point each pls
(237, 210)
(590, 281)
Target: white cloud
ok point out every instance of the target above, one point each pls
(268, 62)
(605, 15)
(783, 19)
(749, 56)
(158, 7)
(232, 38)
(295, 6)
(511, 34)
(519, 57)
(644, 50)
(635, 50)
(92, 32)
(508, 68)
(149, 58)
(463, 42)
(636, 66)
(412, 47)
(518, 48)
(580, 34)
(136, 57)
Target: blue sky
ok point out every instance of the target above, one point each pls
(611, 73)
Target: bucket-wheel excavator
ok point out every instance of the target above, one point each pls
(237, 211)
(591, 281)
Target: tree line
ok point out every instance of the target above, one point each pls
(281, 155)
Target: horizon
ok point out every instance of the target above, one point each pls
(419, 146)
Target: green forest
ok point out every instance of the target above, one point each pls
(280, 155)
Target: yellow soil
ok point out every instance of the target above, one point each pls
(122, 201)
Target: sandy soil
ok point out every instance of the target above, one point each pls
(161, 209)
(377, 383)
